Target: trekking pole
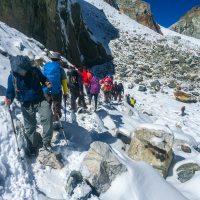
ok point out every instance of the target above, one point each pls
(65, 105)
(15, 132)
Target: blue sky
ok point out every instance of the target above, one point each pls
(167, 12)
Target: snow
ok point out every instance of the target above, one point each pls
(159, 111)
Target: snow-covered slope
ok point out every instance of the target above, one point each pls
(138, 52)
(141, 181)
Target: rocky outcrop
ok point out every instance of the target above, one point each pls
(101, 166)
(137, 10)
(189, 24)
(153, 145)
(58, 27)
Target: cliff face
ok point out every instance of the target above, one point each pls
(137, 10)
(58, 27)
(189, 24)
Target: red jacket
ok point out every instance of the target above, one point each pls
(107, 84)
(87, 76)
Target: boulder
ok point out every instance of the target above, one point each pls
(172, 84)
(185, 97)
(153, 144)
(101, 166)
(52, 160)
(75, 184)
(156, 85)
(142, 88)
(186, 171)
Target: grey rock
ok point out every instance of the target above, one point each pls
(50, 159)
(156, 85)
(172, 84)
(142, 88)
(189, 24)
(186, 171)
(75, 180)
(101, 166)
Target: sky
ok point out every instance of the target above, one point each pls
(167, 12)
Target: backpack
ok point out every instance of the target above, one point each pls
(20, 64)
(53, 73)
(95, 86)
(73, 80)
(107, 84)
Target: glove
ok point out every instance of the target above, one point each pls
(7, 101)
(48, 84)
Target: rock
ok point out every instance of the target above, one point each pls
(137, 10)
(152, 144)
(185, 97)
(62, 25)
(142, 88)
(172, 84)
(50, 159)
(189, 23)
(101, 166)
(185, 148)
(174, 61)
(75, 182)
(130, 86)
(156, 85)
(186, 171)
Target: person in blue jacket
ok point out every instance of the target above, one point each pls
(25, 83)
(57, 76)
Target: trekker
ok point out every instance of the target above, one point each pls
(94, 90)
(120, 90)
(25, 83)
(76, 89)
(130, 100)
(86, 79)
(114, 90)
(57, 76)
(107, 88)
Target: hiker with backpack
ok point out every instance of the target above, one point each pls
(57, 76)
(119, 91)
(114, 91)
(107, 83)
(75, 83)
(25, 83)
(94, 90)
(87, 76)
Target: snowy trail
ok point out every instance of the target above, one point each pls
(16, 182)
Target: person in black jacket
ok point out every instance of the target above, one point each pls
(75, 84)
(25, 83)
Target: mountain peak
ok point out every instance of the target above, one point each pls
(189, 24)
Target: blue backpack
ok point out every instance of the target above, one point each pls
(53, 73)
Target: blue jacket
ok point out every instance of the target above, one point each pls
(53, 72)
(27, 88)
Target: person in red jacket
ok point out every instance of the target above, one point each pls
(107, 87)
(87, 76)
